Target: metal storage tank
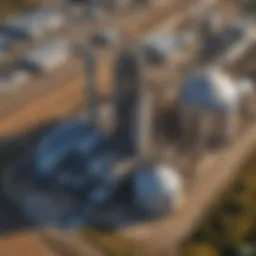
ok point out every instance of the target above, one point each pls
(158, 47)
(210, 90)
(47, 57)
(104, 37)
(209, 102)
(34, 25)
(157, 190)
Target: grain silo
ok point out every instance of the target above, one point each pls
(106, 37)
(209, 106)
(157, 190)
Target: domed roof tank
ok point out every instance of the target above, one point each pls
(211, 23)
(211, 90)
(157, 190)
(157, 47)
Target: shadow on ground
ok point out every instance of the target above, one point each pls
(10, 150)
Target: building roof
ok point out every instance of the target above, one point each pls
(211, 90)
(104, 37)
(160, 42)
(48, 55)
(35, 23)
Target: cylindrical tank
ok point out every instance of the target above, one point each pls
(157, 48)
(210, 91)
(104, 37)
(157, 190)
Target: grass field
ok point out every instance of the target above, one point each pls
(231, 226)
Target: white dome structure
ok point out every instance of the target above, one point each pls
(159, 46)
(157, 191)
(211, 90)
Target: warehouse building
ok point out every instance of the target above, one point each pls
(47, 57)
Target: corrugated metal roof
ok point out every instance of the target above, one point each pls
(35, 24)
(210, 90)
(157, 40)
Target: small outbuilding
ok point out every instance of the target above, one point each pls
(35, 24)
(48, 56)
(105, 37)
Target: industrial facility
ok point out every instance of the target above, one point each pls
(126, 129)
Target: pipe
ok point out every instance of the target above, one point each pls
(91, 94)
(144, 112)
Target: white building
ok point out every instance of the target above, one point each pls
(104, 37)
(159, 47)
(49, 56)
(34, 25)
